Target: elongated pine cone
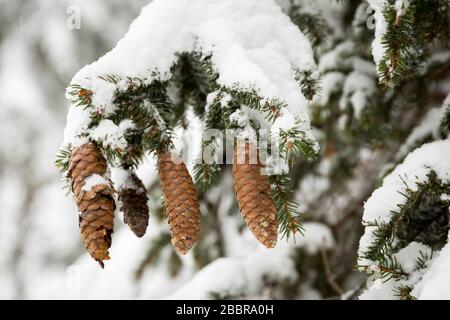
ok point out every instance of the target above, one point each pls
(94, 198)
(133, 198)
(180, 200)
(253, 195)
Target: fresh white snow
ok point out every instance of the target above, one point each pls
(378, 50)
(94, 180)
(246, 275)
(412, 171)
(379, 209)
(242, 36)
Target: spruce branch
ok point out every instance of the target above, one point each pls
(62, 162)
(423, 217)
(410, 33)
(293, 143)
(287, 209)
(313, 25)
(445, 122)
(309, 83)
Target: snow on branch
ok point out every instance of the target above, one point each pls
(406, 224)
(251, 46)
(217, 58)
(247, 277)
(403, 32)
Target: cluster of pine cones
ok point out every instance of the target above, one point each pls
(96, 204)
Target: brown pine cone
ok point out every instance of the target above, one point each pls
(94, 198)
(254, 196)
(180, 200)
(133, 199)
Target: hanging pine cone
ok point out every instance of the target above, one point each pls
(180, 200)
(94, 198)
(254, 196)
(133, 199)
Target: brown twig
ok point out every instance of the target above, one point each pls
(327, 268)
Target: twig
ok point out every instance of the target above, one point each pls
(329, 274)
(356, 291)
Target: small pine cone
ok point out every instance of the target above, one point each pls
(254, 196)
(95, 202)
(133, 199)
(180, 199)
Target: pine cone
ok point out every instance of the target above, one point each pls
(180, 199)
(254, 195)
(95, 205)
(134, 206)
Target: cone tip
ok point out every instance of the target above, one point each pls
(270, 244)
(138, 233)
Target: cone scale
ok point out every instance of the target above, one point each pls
(180, 200)
(133, 204)
(253, 194)
(95, 204)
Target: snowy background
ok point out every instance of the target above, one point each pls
(43, 44)
(42, 257)
(42, 254)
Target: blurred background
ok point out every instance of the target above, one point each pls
(40, 50)
(43, 44)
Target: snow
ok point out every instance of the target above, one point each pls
(428, 126)
(378, 50)
(77, 121)
(331, 82)
(446, 103)
(316, 236)
(247, 274)
(366, 240)
(286, 122)
(358, 87)
(206, 282)
(94, 180)
(413, 170)
(106, 132)
(245, 131)
(311, 188)
(357, 80)
(435, 284)
(31, 89)
(116, 281)
(111, 135)
(421, 277)
(407, 256)
(385, 200)
(435, 59)
(188, 141)
(445, 108)
(358, 101)
(38, 56)
(379, 290)
(103, 94)
(364, 66)
(333, 59)
(401, 6)
(239, 118)
(242, 36)
(276, 165)
(121, 179)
